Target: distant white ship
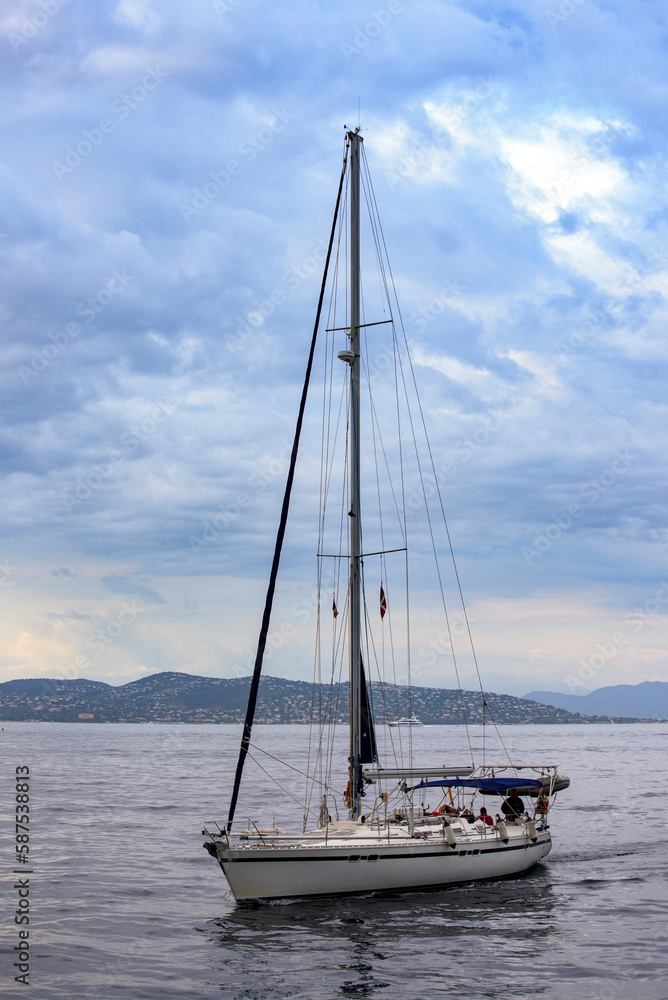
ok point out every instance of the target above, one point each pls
(413, 721)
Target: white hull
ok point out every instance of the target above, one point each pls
(372, 864)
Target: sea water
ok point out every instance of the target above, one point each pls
(125, 903)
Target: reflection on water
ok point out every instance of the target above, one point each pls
(363, 945)
(129, 907)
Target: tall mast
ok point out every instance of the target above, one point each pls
(355, 511)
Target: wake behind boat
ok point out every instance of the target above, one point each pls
(398, 824)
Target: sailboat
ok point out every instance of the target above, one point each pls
(389, 838)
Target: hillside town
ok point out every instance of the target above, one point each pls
(172, 697)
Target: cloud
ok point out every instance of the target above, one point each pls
(166, 186)
(70, 613)
(124, 585)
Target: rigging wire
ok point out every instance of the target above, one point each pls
(326, 468)
(269, 600)
(385, 258)
(327, 692)
(275, 781)
(279, 760)
(376, 234)
(377, 441)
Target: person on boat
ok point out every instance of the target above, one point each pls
(445, 808)
(485, 817)
(512, 807)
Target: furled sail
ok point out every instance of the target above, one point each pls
(368, 751)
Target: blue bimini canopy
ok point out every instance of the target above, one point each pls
(498, 785)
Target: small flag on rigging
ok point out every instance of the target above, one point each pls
(334, 608)
(383, 602)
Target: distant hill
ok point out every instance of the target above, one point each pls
(178, 697)
(648, 700)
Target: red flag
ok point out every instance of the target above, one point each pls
(334, 608)
(383, 602)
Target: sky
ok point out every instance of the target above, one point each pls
(167, 180)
